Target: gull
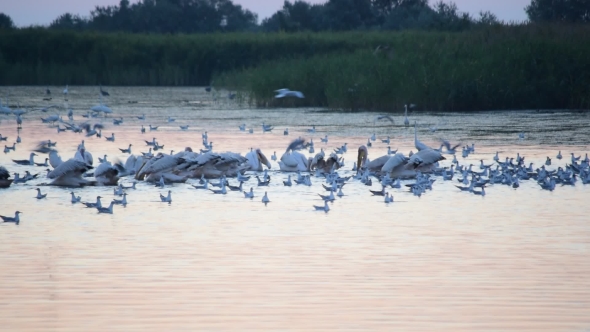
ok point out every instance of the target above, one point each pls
(521, 135)
(274, 156)
(108, 210)
(170, 119)
(312, 130)
(152, 143)
(386, 141)
(39, 195)
(59, 130)
(324, 207)
(340, 193)
(288, 183)
(29, 162)
(480, 193)
(75, 199)
(242, 127)
(121, 201)
(128, 150)
(142, 117)
(142, 129)
(221, 191)
(263, 183)
(204, 186)
(559, 156)
(327, 198)
(65, 92)
(166, 199)
(265, 199)
(153, 128)
(249, 194)
(548, 161)
(148, 154)
(251, 131)
(118, 191)
(325, 139)
(286, 132)
(184, 127)
(117, 122)
(450, 149)
(281, 93)
(45, 164)
(92, 205)
(112, 138)
(91, 131)
(373, 137)
(15, 220)
(266, 128)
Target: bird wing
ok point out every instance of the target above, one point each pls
(69, 166)
(394, 161)
(54, 159)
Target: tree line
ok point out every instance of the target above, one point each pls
(203, 16)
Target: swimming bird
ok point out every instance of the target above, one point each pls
(324, 207)
(39, 195)
(108, 210)
(274, 156)
(286, 132)
(166, 199)
(153, 128)
(249, 194)
(128, 150)
(75, 199)
(142, 129)
(328, 198)
(312, 130)
(29, 162)
(121, 201)
(242, 127)
(265, 199)
(65, 92)
(15, 220)
(184, 127)
(386, 141)
(112, 138)
(559, 156)
(141, 117)
(93, 205)
(170, 119)
(288, 183)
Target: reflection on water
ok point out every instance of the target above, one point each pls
(515, 260)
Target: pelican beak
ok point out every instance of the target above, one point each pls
(262, 158)
(362, 155)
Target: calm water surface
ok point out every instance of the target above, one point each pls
(515, 260)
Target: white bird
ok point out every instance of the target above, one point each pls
(108, 210)
(281, 93)
(166, 199)
(75, 199)
(91, 205)
(39, 195)
(29, 162)
(559, 156)
(121, 201)
(265, 199)
(324, 207)
(419, 145)
(171, 119)
(373, 137)
(184, 127)
(128, 150)
(242, 127)
(325, 139)
(15, 220)
(112, 138)
(249, 194)
(286, 132)
(274, 156)
(288, 183)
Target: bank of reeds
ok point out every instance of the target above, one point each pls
(500, 67)
(497, 68)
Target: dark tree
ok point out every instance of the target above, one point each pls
(571, 11)
(6, 22)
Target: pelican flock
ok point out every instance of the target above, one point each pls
(419, 169)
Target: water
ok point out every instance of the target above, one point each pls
(514, 260)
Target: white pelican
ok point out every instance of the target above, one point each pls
(69, 173)
(256, 159)
(107, 174)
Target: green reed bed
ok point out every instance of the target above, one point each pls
(498, 67)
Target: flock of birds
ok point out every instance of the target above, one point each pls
(213, 169)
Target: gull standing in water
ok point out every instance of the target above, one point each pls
(265, 199)
(166, 199)
(15, 220)
(92, 205)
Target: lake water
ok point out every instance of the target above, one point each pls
(514, 260)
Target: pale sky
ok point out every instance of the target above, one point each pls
(42, 12)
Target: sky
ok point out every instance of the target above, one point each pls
(42, 12)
